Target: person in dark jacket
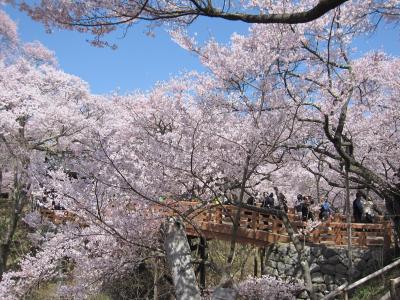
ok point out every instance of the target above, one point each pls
(305, 209)
(268, 201)
(251, 200)
(358, 208)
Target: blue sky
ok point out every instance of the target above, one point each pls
(140, 61)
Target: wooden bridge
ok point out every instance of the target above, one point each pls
(261, 229)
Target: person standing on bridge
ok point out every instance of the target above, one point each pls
(268, 201)
(370, 211)
(358, 207)
(298, 203)
(306, 213)
(251, 201)
(325, 210)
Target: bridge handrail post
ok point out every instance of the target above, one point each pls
(218, 215)
(254, 220)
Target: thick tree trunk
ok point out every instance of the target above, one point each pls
(299, 249)
(302, 258)
(179, 258)
(349, 233)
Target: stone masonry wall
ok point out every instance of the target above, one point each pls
(328, 265)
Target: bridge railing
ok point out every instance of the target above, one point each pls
(260, 228)
(331, 232)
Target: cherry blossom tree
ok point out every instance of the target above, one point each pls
(337, 100)
(178, 141)
(32, 126)
(282, 103)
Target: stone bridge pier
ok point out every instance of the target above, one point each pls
(329, 265)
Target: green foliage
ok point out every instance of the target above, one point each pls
(139, 283)
(47, 291)
(370, 292)
(375, 288)
(218, 253)
(21, 244)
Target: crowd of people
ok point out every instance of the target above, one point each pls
(364, 209)
(305, 206)
(268, 201)
(44, 201)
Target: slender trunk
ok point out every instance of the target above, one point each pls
(155, 279)
(4, 252)
(203, 257)
(255, 270)
(348, 211)
(226, 277)
(262, 260)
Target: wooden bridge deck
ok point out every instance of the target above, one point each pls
(261, 229)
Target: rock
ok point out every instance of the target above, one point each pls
(288, 260)
(293, 254)
(357, 261)
(271, 271)
(271, 263)
(317, 278)
(341, 269)
(314, 268)
(282, 249)
(316, 251)
(328, 279)
(280, 266)
(302, 295)
(328, 252)
(332, 287)
(224, 294)
(367, 256)
(290, 271)
(333, 260)
(328, 269)
(339, 280)
(356, 274)
(319, 295)
(292, 248)
(320, 287)
(298, 273)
